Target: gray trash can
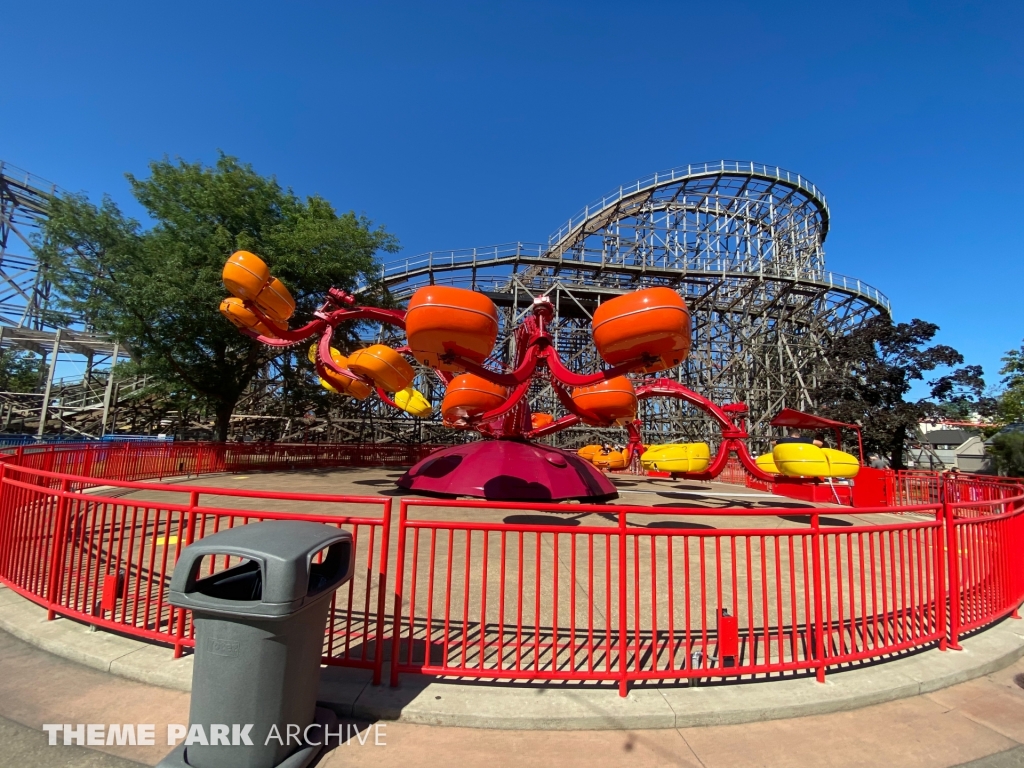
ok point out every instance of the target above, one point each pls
(259, 638)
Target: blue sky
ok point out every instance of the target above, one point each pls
(467, 124)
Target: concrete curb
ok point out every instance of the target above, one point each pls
(427, 701)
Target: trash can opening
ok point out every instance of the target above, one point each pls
(241, 582)
(332, 568)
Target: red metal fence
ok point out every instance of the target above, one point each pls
(84, 553)
(628, 599)
(884, 487)
(555, 592)
(146, 461)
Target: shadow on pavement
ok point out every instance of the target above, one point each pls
(539, 520)
(806, 520)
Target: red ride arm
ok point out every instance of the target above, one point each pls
(513, 399)
(384, 397)
(520, 375)
(669, 388)
(286, 338)
(556, 426)
(325, 361)
(567, 377)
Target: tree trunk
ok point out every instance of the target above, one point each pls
(222, 420)
(896, 448)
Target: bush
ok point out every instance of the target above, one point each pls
(1007, 449)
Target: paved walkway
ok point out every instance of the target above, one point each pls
(983, 718)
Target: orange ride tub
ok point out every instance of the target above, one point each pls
(334, 382)
(276, 302)
(612, 401)
(441, 320)
(234, 309)
(388, 369)
(468, 396)
(245, 274)
(539, 420)
(654, 322)
(611, 460)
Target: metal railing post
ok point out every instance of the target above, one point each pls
(818, 646)
(6, 523)
(396, 633)
(190, 533)
(942, 592)
(952, 569)
(382, 585)
(623, 630)
(60, 535)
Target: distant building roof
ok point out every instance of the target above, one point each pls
(952, 437)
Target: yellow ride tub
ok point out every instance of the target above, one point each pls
(766, 461)
(677, 458)
(841, 464)
(806, 460)
(413, 402)
(800, 460)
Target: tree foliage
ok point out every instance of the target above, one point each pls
(871, 371)
(1007, 449)
(1011, 401)
(158, 289)
(20, 371)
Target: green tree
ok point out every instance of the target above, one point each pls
(1011, 401)
(158, 289)
(871, 371)
(20, 371)
(1007, 449)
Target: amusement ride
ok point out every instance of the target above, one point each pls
(452, 331)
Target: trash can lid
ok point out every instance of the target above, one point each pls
(283, 550)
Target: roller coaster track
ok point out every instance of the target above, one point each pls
(409, 274)
(601, 212)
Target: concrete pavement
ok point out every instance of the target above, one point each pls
(981, 720)
(27, 748)
(429, 701)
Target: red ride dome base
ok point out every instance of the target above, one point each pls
(508, 470)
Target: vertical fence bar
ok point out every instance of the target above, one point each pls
(6, 519)
(955, 589)
(382, 586)
(942, 592)
(190, 532)
(57, 553)
(623, 636)
(396, 631)
(819, 641)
